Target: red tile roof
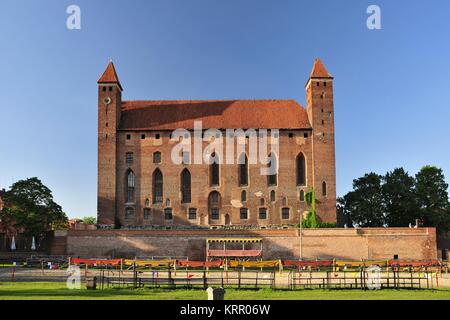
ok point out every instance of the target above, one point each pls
(219, 114)
(110, 75)
(319, 70)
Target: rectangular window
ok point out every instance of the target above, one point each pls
(192, 213)
(146, 213)
(142, 136)
(128, 136)
(285, 213)
(215, 214)
(129, 158)
(262, 213)
(157, 157)
(243, 213)
(168, 214)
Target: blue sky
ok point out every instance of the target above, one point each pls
(392, 96)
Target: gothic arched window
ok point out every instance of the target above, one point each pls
(214, 174)
(131, 183)
(185, 186)
(243, 170)
(273, 165)
(301, 170)
(157, 186)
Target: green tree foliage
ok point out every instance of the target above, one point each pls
(432, 196)
(364, 205)
(89, 220)
(311, 221)
(400, 202)
(29, 206)
(398, 199)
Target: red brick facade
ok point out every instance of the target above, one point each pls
(143, 128)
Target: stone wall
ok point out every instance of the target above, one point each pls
(348, 244)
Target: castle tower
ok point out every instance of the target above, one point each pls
(320, 108)
(109, 111)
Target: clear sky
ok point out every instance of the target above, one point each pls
(392, 88)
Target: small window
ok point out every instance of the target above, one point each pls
(192, 214)
(323, 122)
(318, 83)
(261, 201)
(157, 136)
(129, 213)
(322, 110)
(243, 196)
(262, 213)
(110, 88)
(305, 134)
(104, 88)
(142, 136)
(168, 214)
(291, 135)
(302, 196)
(146, 213)
(106, 124)
(157, 157)
(128, 136)
(284, 201)
(215, 214)
(129, 158)
(324, 189)
(243, 213)
(285, 213)
(147, 202)
(168, 202)
(272, 195)
(324, 84)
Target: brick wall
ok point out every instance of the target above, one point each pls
(349, 244)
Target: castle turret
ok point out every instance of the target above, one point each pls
(109, 112)
(319, 92)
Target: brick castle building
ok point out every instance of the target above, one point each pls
(140, 185)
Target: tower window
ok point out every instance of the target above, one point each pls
(262, 213)
(302, 196)
(243, 213)
(305, 135)
(142, 136)
(243, 196)
(324, 189)
(168, 214)
(285, 213)
(192, 214)
(157, 136)
(323, 122)
(324, 84)
(106, 124)
(110, 88)
(291, 135)
(318, 83)
(129, 158)
(128, 136)
(157, 157)
(104, 88)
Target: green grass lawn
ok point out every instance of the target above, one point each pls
(58, 291)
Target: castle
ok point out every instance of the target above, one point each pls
(139, 184)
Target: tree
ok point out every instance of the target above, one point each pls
(29, 206)
(89, 220)
(364, 205)
(432, 196)
(400, 202)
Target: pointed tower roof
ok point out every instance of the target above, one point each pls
(319, 70)
(110, 75)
